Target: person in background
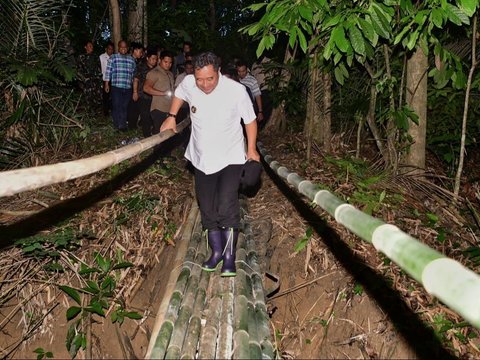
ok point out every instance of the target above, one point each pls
(144, 99)
(106, 99)
(133, 113)
(159, 84)
(188, 71)
(118, 82)
(249, 80)
(89, 75)
(217, 152)
(180, 59)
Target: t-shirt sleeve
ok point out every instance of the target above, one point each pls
(245, 107)
(183, 89)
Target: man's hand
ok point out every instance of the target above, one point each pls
(135, 96)
(253, 155)
(169, 123)
(260, 117)
(106, 87)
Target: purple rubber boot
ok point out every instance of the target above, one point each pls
(229, 240)
(215, 243)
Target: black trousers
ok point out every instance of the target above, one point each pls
(145, 118)
(133, 114)
(106, 102)
(217, 196)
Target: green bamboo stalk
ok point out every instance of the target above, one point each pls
(209, 334)
(268, 350)
(173, 353)
(182, 280)
(252, 322)
(243, 284)
(255, 350)
(241, 346)
(190, 344)
(225, 331)
(257, 288)
(455, 285)
(15, 181)
(180, 329)
(162, 341)
(173, 306)
(262, 321)
(240, 313)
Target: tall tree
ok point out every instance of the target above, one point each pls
(116, 22)
(136, 20)
(417, 68)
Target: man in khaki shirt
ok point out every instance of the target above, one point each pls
(160, 84)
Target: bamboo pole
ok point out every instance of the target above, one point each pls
(15, 181)
(152, 351)
(455, 285)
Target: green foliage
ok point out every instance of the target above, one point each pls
(39, 117)
(303, 242)
(49, 245)
(441, 326)
(98, 295)
(42, 354)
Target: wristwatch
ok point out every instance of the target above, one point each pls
(172, 115)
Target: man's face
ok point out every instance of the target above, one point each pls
(109, 50)
(166, 63)
(122, 47)
(186, 48)
(189, 69)
(206, 78)
(137, 53)
(89, 48)
(242, 71)
(152, 61)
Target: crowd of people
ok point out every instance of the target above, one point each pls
(135, 85)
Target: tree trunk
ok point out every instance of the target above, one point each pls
(213, 20)
(116, 23)
(312, 129)
(417, 67)
(326, 120)
(371, 121)
(458, 175)
(278, 120)
(136, 13)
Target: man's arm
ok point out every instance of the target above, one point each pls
(135, 89)
(149, 89)
(251, 130)
(170, 122)
(258, 100)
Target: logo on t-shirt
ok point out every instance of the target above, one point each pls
(193, 109)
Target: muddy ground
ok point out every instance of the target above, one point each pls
(336, 298)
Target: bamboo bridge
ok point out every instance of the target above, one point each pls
(206, 316)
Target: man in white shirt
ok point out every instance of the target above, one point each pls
(103, 63)
(217, 152)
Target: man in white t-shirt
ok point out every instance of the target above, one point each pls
(217, 152)
(107, 103)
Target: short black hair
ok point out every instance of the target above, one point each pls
(205, 59)
(240, 63)
(136, 45)
(87, 42)
(151, 51)
(109, 43)
(166, 53)
(187, 43)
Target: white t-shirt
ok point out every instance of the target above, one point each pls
(217, 138)
(103, 63)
